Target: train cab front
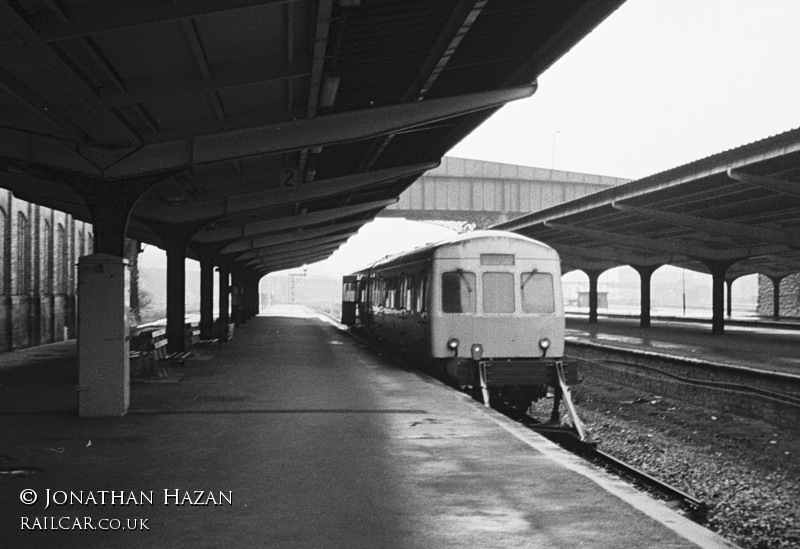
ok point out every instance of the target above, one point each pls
(513, 360)
(473, 361)
(497, 319)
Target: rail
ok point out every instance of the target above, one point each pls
(773, 397)
(566, 438)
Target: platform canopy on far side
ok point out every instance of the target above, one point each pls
(736, 212)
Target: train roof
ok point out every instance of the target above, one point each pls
(429, 249)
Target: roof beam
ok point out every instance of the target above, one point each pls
(292, 263)
(41, 108)
(315, 79)
(460, 21)
(256, 243)
(637, 242)
(93, 52)
(576, 28)
(568, 264)
(45, 192)
(290, 55)
(300, 255)
(318, 60)
(777, 185)
(650, 245)
(159, 87)
(249, 202)
(101, 16)
(299, 134)
(288, 223)
(615, 255)
(65, 75)
(270, 251)
(190, 31)
(713, 226)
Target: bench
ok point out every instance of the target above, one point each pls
(148, 353)
(149, 356)
(195, 335)
(222, 332)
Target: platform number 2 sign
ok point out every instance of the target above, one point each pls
(289, 177)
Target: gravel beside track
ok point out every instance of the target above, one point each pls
(748, 472)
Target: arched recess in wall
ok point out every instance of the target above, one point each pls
(23, 264)
(620, 288)
(61, 260)
(575, 286)
(47, 261)
(745, 295)
(3, 252)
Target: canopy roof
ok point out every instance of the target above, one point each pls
(738, 209)
(270, 130)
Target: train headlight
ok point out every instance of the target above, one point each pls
(476, 351)
(452, 344)
(544, 344)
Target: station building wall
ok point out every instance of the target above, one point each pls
(789, 298)
(39, 251)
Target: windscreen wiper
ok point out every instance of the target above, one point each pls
(525, 282)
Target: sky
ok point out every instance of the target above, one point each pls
(658, 84)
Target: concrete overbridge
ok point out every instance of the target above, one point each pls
(225, 130)
(487, 193)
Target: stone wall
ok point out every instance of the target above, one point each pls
(39, 251)
(789, 301)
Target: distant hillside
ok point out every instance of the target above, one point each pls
(153, 282)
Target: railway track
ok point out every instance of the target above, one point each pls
(783, 397)
(773, 397)
(568, 439)
(767, 396)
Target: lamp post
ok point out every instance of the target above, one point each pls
(683, 283)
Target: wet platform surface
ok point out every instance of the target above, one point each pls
(318, 442)
(749, 345)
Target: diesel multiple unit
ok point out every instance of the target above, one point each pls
(483, 310)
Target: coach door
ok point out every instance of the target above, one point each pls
(349, 300)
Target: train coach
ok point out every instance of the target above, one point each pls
(483, 310)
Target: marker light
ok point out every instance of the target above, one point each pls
(452, 344)
(544, 344)
(477, 351)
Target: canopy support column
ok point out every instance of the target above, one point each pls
(718, 269)
(593, 277)
(645, 276)
(776, 296)
(104, 294)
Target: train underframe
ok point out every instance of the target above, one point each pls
(510, 385)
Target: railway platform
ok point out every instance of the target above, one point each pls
(295, 435)
(755, 345)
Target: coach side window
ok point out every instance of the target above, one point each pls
(537, 293)
(458, 292)
(418, 293)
